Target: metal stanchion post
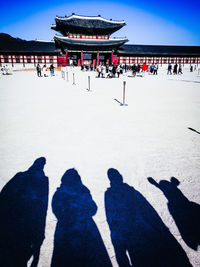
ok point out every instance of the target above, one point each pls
(88, 89)
(124, 93)
(73, 79)
(124, 83)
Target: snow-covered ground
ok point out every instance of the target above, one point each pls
(91, 132)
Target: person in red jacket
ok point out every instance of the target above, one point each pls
(144, 68)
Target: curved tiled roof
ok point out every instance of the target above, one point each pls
(86, 25)
(95, 18)
(8, 44)
(67, 43)
(163, 50)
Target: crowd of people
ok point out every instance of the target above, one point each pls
(43, 72)
(6, 70)
(106, 71)
(112, 71)
(177, 69)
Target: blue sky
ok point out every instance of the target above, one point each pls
(148, 22)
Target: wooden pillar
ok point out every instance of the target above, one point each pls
(23, 61)
(111, 58)
(81, 57)
(12, 60)
(66, 57)
(98, 58)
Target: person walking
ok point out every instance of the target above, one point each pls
(114, 71)
(169, 69)
(134, 70)
(103, 71)
(144, 68)
(180, 69)
(152, 68)
(44, 71)
(38, 69)
(51, 70)
(175, 69)
(99, 71)
(138, 68)
(118, 70)
(110, 68)
(155, 70)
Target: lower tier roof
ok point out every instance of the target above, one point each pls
(163, 50)
(90, 44)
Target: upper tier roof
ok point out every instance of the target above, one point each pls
(86, 25)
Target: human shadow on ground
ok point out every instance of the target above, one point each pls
(185, 213)
(139, 236)
(77, 241)
(23, 208)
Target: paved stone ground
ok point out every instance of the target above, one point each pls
(91, 132)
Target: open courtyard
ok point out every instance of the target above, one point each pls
(88, 130)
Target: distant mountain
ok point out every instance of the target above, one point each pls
(7, 37)
(11, 44)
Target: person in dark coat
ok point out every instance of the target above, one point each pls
(114, 69)
(152, 68)
(155, 70)
(134, 70)
(169, 69)
(185, 213)
(38, 69)
(175, 71)
(51, 68)
(180, 69)
(139, 236)
(77, 241)
(23, 208)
